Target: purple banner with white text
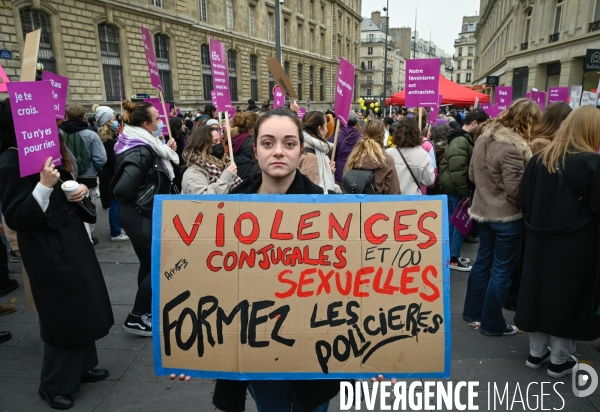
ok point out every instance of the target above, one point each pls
(344, 90)
(60, 86)
(278, 98)
(558, 94)
(422, 82)
(503, 97)
(220, 74)
(151, 59)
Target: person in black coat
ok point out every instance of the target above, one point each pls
(144, 167)
(66, 279)
(559, 194)
(243, 152)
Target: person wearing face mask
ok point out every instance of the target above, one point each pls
(209, 169)
(143, 169)
(107, 130)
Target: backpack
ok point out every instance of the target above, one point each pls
(77, 147)
(357, 182)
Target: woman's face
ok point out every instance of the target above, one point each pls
(278, 147)
(323, 130)
(216, 138)
(153, 126)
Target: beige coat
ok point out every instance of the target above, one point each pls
(196, 182)
(497, 167)
(539, 144)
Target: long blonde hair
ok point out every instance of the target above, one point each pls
(370, 144)
(522, 116)
(579, 133)
(106, 132)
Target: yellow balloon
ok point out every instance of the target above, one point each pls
(377, 110)
(376, 103)
(363, 108)
(361, 100)
(372, 105)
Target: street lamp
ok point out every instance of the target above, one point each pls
(39, 68)
(278, 29)
(387, 29)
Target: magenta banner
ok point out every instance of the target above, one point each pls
(558, 94)
(155, 101)
(494, 111)
(278, 98)
(60, 86)
(151, 59)
(302, 112)
(422, 82)
(541, 100)
(220, 74)
(3, 80)
(35, 125)
(213, 98)
(435, 110)
(503, 97)
(485, 107)
(344, 90)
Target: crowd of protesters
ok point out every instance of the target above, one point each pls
(530, 181)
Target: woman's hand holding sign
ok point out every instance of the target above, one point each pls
(49, 176)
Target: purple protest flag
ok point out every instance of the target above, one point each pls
(278, 97)
(35, 125)
(558, 94)
(302, 112)
(120, 88)
(220, 74)
(155, 101)
(485, 107)
(3, 80)
(151, 59)
(344, 89)
(435, 110)
(213, 98)
(503, 97)
(422, 82)
(60, 86)
(494, 111)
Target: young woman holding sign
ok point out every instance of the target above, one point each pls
(64, 273)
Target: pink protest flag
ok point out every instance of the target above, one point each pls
(220, 74)
(503, 97)
(435, 110)
(155, 101)
(151, 59)
(344, 91)
(35, 125)
(4, 81)
(485, 107)
(60, 87)
(301, 113)
(278, 97)
(422, 82)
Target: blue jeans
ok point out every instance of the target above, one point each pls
(113, 218)
(456, 238)
(276, 396)
(489, 280)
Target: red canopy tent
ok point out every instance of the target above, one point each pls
(452, 93)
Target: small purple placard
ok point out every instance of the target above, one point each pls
(435, 110)
(220, 74)
(301, 113)
(558, 94)
(60, 86)
(278, 98)
(503, 97)
(151, 59)
(344, 90)
(422, 82)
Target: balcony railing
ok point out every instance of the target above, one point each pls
(524, 46)
(470, 39)
(554, 38)
(389, 69)
(470, 54)
(594, 26)
(367, 82)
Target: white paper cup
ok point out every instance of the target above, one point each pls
(69, 187)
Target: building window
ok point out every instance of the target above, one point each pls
(207, 83)
(458, 78)
(558, 16)
(471, 50)
(299, 82)
(321, 84)
(203, 13)
(232, 64)
(270, 18)
(468, 78)
(286, 68)
(371, 38)
(111, 60)
(469, 64)
(597, 11)
(458, 64)
(311, 40)
(285, 31)
(311, 81)
(322, 45)
(322, 14)
(253, 78)
(271, 85)
(339, 49)
(369, 79)
(370, 65)
(527, 26)
(369, 91)
(299, 6)
(32, 20)
(299, 36)
(369, 50)
(251, 20)
(460, 51)
(157, 3)
(161, 49)
(230, 14)
(311, 10)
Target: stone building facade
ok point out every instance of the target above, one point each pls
(96, 42)
(464, 51)
(537, 43)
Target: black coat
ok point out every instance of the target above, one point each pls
(66, 280)
(244, 159)
(230, 396)
(560, 283)
(108, 172)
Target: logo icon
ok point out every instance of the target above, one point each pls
(585, 380)
(595, 58)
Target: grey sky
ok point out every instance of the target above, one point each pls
(442, 17)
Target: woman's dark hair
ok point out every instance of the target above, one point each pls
(279, 112)
(136, 113)
(552, 118)
(8, 137)
(175, 124)
(311, 123)
(407, 133)
(200, 144)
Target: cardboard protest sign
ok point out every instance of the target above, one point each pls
(280, 77)
(60, 86)
(35, 125)
(589, 99)
(3, 80)
(558, 94)
(435, 110)
(278, 97)
(575, 99)
(503, 97)
(301, 287)
(30, 55)
(344, 90)
(151, 59)
(155, 101)
(422, 82)
(220, 74)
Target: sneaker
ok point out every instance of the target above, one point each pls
(120, 238)
(475, 325)
(14, 257)
(535, 362)
(464, 260)
(558, 371)
(7, 308)
(458, 265)
(11, 285)
(138, 325)
(510, 330)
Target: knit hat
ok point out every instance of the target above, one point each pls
(330, 126)
(103, 115)
(212, 122)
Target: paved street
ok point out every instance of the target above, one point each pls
(132, 385)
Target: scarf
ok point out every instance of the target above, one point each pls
(133, 136)
(321, 149)
(238, 141)
(214, 172)
(73, 126)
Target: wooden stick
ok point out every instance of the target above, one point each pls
(420, 119)
(162, 100)
(335, 139)
(229, 137)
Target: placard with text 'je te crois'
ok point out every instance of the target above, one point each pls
(301, 287)
(35, 125)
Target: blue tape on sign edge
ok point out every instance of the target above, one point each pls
(156, 278)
